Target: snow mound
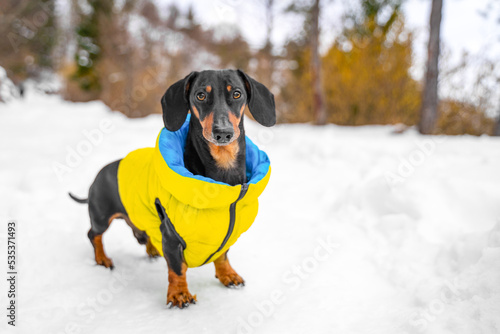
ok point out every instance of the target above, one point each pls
(8, 91)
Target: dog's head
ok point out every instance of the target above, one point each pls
(217, 100)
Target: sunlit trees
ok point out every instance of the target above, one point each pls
(365, 74)
(125, 53)
(367, 79)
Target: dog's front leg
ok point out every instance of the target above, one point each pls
(173, 248)
(178, 294)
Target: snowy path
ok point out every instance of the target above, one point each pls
(359, 231)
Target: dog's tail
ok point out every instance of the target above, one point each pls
(79, 200)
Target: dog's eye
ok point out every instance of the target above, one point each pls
(236, 94)
(201, 96)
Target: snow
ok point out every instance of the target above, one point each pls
(359, 231)
(8, 90)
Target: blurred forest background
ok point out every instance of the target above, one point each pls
(126, 53)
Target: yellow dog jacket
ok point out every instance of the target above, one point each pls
(208, 215)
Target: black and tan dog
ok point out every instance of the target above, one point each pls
(216, 152)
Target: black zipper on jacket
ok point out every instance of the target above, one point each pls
(232, 220)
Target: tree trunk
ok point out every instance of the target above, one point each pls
(429, 110)
(496, 130)
(318, 100)
(268, 48)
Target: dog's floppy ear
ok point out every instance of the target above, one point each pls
(260, 101)
(175, 103)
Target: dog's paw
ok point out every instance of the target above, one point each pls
(151, 250)
(105, 261)
(231, 279)
(180, 299)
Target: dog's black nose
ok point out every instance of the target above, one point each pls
(222, 135)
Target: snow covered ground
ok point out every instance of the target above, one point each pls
(359, 231)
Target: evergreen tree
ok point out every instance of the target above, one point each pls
(88, 50)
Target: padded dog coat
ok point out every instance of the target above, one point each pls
(209, 215)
